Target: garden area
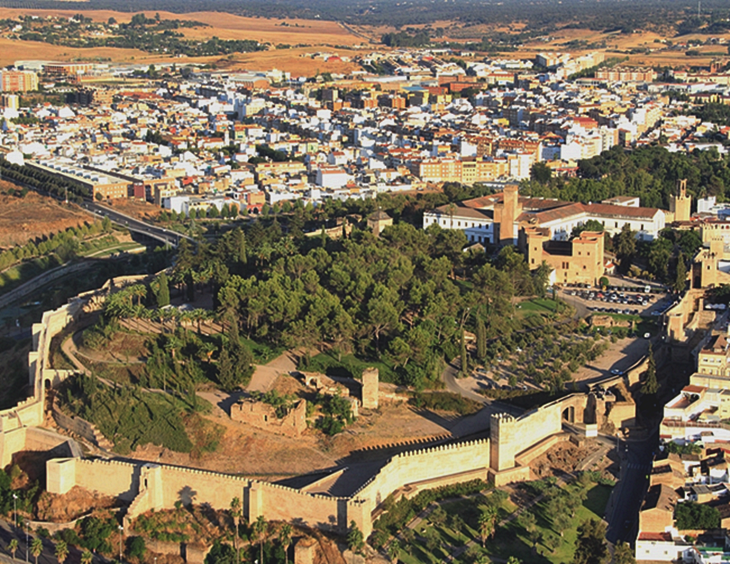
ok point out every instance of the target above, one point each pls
(545, 357)
(540, 521)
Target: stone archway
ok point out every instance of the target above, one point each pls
(569, 414)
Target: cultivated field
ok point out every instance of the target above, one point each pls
(316, 35)
(305, 38)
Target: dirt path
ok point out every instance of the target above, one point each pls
(70, 349)
(265, 375)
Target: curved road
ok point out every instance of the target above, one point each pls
(161, 234)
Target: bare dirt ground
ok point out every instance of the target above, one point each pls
(71, 505)
(255, 452)
(34, 216)
(144, 211)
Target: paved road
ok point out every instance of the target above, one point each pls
(161, 234)
(622, 514)
(8, 532)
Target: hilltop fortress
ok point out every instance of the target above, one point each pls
(503, 457)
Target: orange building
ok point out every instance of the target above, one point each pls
(579, 261)
(18, 81)
(67, 69)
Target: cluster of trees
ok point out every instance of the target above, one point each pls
(148, 34)
(406, 39)
(545, 358)
(691, 515)
(719, 114)
(268, 542)
(649, 172)
(397, 514)
(396, 297)
(544, 18)
(181, 358)
(666, 259)
(140, 20)
(44, 181)
(167, 41)
(336, 414)
(128, 416)
(65, 244)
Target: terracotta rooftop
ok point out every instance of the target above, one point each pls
(660, 497)
(655, 537)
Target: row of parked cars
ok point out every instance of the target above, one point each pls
(614, 310)
(614, 297)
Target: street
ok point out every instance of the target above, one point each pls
(623, 510)
(161, 234)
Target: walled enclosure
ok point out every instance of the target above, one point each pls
(30, 412)
(151, 486)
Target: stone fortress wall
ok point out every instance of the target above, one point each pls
(151, 486)
(29, 413)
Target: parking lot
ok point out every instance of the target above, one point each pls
(619, 301)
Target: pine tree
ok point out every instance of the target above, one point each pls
(163, 291)
(650, 385)
(680, 280)
(623, 554)
(481, 339)
(464, 356)
(590, 548)
(226, 372)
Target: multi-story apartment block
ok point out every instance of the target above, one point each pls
(18, 81)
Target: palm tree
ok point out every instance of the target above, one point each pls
(487, 522)
(13, 547)
(285, 536)
(394, 550)
(61, 551)
(86, 557)
(207, 349)
(36, 547)
(172, 344)
(259, 529)
(236, 514)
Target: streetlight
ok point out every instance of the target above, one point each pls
(121, 539)
(27, 544)
(15, 509)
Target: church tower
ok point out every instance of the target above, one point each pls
(680, 203)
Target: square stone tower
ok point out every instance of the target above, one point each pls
(370, 379)
(680, 203)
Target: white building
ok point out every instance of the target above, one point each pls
(477, 217)
(332, 177)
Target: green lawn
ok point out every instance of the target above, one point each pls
(348, 367)
(262, 353)
(509, 540)
(21, 273)
(642, 324)
(542, 306)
